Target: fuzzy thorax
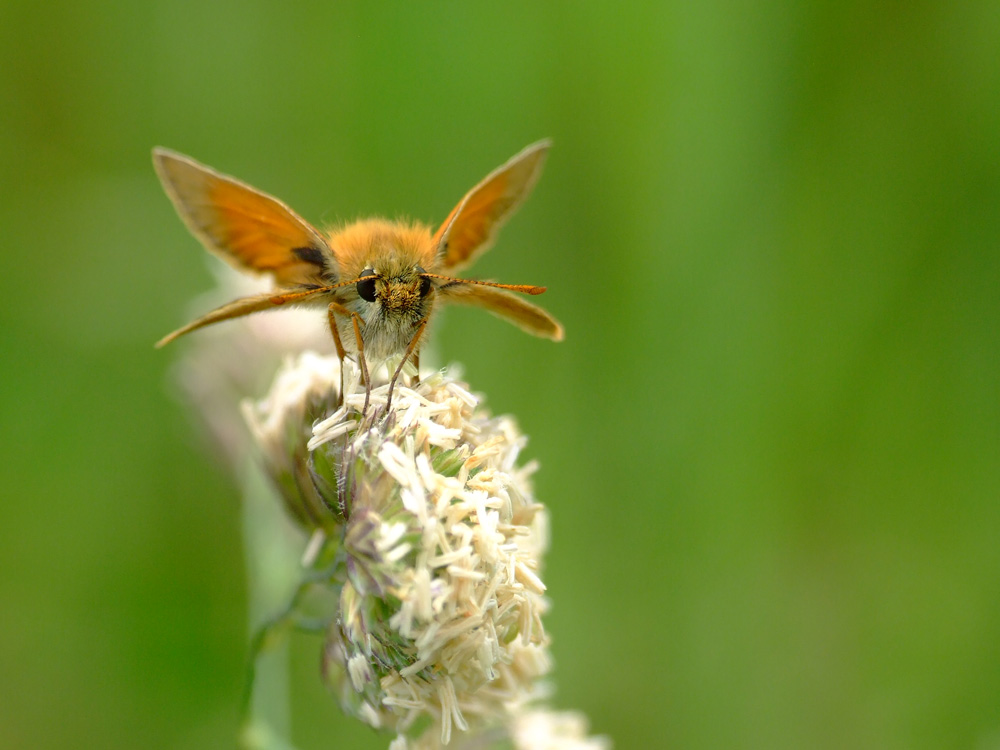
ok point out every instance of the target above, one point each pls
(396, 253)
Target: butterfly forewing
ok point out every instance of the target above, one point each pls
(249, 229)
(472, 226)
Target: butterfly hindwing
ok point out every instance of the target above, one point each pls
(525, 315)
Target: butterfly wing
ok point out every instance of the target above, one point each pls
(525, 315)
(236, 309)
(472, 226)
(245, 227)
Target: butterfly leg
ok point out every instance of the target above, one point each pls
(334, 309)
(331, 312)
(406, 355)
(356, 319)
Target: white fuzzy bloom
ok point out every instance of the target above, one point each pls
(552, 730)
(425, 529)
(534, 729)
(294, 389)
(439, 538)
(304, 389)
(443, 540)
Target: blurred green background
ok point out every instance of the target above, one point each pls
(770, 441)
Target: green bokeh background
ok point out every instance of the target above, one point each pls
(770, 441)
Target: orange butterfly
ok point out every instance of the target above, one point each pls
(377, 279)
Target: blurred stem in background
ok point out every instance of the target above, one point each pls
(272, 569)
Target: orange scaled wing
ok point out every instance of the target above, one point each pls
(247, 228)
(472, 226)
(525, 315)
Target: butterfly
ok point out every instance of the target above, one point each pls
(378, 280)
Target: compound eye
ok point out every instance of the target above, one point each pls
(425, 286)
(366, 287)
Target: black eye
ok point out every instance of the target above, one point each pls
(366, 287)
(425, 286)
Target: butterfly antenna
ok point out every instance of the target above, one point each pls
(522, 288)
